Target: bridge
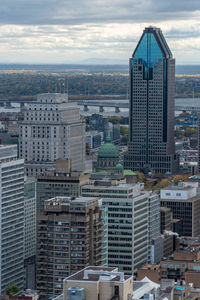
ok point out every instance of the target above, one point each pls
(7, 103)
(116, 104)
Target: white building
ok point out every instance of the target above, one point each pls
(128, 237)
(11, 218)
(51, 129)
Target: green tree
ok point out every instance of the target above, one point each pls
(123, 130)
(11, 290)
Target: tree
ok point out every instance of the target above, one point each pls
(11, 290)
(123, 130)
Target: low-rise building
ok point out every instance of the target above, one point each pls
(94, 283)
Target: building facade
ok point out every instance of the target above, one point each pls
(98, 283)
(51, 129)
(155, 238)
(11, 218)
(71, 234)
(29, 233)
(184, 202)
(151, 121)
(166, 228)
(60, 181)
(128, 238)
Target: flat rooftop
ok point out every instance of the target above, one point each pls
(79, 276)
(69, 200)
(179, 188)
(120, 186)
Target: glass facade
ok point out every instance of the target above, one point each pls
(151, 138)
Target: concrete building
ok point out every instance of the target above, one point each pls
(166, 229)
(128, 220)
(184, 202)
(99, 123)
(29, 233)
(27, 294)
(93, 139)
(93, 283)
(183, 265)
(151, 120)
(11, 218)
(155, 238)
(71, 234)
(59, 181)
(51, 129)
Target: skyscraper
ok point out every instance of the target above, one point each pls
(152, 81)
(11, 218)
(51, 129)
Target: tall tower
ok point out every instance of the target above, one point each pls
(151, 107)
(11, 218)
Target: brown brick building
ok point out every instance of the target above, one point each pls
(70, 236)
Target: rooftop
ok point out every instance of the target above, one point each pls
(69, 200)
(98, 273)
(119, 186)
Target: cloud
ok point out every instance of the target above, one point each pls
(61, 31)
(67, 12)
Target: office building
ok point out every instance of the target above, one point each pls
(99, 123)
(60, 181)
(128, 237)
(71, 234)
(93, 283)
(11, 218)
(93, 139)
(51, 129)
(151, 119)
(29, 233)
(184, 202)
(155, 238)
(166, 229)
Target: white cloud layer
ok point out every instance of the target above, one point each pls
(63, 31)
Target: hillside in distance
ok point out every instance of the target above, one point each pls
(88, 68)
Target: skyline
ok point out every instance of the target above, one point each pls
(72, 32)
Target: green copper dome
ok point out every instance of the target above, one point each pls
(119, 166)
(108, 150)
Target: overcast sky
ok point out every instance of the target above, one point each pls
(65, 31)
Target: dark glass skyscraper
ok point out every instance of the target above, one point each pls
(151, 108)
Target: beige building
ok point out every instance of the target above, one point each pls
(71, 234)
(51, 129)
(98, 283)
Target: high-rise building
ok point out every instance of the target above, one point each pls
(155, 238)
(151, 108)
(11, 218)
(60, 181)
(29, 233)
(51, 129)
(128, 221)
(71, 234)
(184, 202)
(166, 229)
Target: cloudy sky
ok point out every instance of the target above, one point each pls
(67, 31)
